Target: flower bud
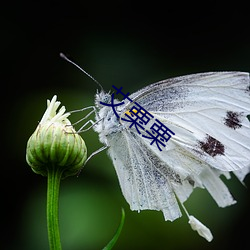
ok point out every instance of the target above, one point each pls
(55, 144)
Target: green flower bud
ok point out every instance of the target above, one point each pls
(55, 144)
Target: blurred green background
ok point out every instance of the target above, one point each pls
(127, 45)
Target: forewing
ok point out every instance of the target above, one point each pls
(208, 113)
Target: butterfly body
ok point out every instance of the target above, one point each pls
(109, 124)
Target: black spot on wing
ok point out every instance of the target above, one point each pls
(233, 119)
(190, 181)
(212, 146)
(248, 89)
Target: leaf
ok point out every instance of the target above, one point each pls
(117, 234)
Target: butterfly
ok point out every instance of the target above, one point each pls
(207, 114)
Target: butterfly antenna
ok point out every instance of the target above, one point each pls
(90, 76)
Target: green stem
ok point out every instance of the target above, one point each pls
(54, 177)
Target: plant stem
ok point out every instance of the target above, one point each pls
(54, 177)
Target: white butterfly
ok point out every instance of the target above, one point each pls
(208, 114)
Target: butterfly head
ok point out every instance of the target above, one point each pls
(102, 97)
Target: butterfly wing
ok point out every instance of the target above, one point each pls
(208, 113)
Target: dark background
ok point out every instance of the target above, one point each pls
(125, 43)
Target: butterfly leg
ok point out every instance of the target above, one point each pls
(86, 116)
(95, 152)
(80, 130)
(91, 155)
